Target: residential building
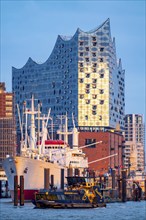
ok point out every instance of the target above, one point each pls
(7, 127)
(134, 142)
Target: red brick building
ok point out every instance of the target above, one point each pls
(112, 143)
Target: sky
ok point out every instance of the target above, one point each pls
(30, 29)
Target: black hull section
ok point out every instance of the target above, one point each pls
(58, 205)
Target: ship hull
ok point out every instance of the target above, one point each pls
(33, 172)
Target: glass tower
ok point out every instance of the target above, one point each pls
(82, 76)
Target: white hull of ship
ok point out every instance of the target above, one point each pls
(33, 172)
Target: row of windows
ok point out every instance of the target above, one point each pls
(81, 80)
(87, 91)
(101, 102)
(87, 75)
(81, 64)
(94, 113)
(87, 59)
(52, 147)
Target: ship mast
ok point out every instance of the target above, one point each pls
(65, 132)
(74, 134)
(32, 126)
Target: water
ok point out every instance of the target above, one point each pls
(113, 211)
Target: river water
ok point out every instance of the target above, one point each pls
(113, 211)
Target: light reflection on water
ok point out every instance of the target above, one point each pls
(113, 211)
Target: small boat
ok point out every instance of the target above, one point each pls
(79, 194)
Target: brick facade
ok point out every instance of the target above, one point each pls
(111, 144)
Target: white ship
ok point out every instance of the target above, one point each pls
(38, 154)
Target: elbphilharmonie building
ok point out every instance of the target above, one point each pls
(82, 76)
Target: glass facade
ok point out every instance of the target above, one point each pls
(82, 76)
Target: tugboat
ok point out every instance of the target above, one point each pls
(81, 193)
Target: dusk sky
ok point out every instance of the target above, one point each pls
(30, 29)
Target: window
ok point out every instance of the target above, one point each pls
(94, 43)
(94, 64)
(81, 54)
(93, 112)
(94, 38)
(87, 91)
(81, 96)
(81, 64)
(100, 117)
(87, 75)
(101, 49)
(87, 48)
(100, 60)
(87, 59)
(87, 101)
(94, 80)
(87, 86)
(101, 91)
(101, 75)
(94, 86)
(94, 54)
(81, 43)
(94, 70)
(94, 96)
(86, 117)
(81, 80)
(94, 107)
(91, 143)
(101, 102)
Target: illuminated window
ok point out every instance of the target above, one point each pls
(94, 80)
(94, 64)
(86, 117)
(87, 75)
(94, 86)
(87, 86)
(87, 91)
(81, 80)
(81, 96)
(94, 112)
(101, 91)
(101, 102)
(94, 96)
(87, 101)
(100, 117)
(94, 107)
